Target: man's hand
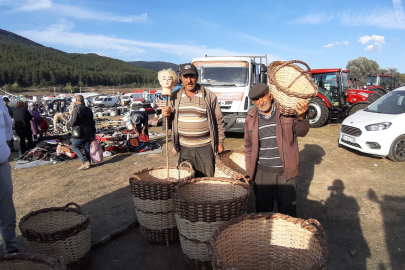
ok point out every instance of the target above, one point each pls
(166, 111)
(174, 152)
(220, 148)
(301, 108)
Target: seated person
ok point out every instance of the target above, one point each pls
(138, 121)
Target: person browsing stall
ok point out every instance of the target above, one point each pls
(83, 130)
(138, 122)
(271, 151)
(198, 126)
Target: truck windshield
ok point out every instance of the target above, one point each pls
(372, 80)
(391, 103)
(228, 76)
(327, 85)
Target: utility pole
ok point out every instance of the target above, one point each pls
(54, 91)
(70, 88)
(80, 89)
(113, 89)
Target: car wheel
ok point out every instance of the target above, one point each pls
(358, 107)
(318, 112)
(397, 151)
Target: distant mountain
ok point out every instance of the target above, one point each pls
(155, 65)
(32, 64)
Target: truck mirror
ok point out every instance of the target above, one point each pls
(263, 74)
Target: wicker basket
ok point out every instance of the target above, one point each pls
(230, 164)
(288, 83)
(58, 231)
(269, 241)
(152, 194)
(201, 206)
(31, 262)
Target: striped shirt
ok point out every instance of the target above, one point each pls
(269, 156)
(193, 122)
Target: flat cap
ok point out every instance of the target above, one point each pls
(187, 69)
(257, 90)
(6, 99)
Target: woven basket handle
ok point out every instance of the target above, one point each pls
(292, 62)
(74, 204)
(246, 180)
(318, 225)
(187, 163)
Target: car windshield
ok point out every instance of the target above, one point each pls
(372, 80)
(99, 99)
(125, 97)
(223, 73)
(391, 103)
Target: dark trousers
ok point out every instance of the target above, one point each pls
(201, 158)
(78, 144)
(269, 186)
(23, 146)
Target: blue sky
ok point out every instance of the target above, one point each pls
(325, 34)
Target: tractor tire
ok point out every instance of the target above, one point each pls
(379, 91)
(397, 150)
(318, 113)
(358, 107)
(373, 97)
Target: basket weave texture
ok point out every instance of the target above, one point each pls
(152, 194)
(288, 83)
(56, 232)
(230, 164)
(30, 262)
(201, 206)
(269, 241)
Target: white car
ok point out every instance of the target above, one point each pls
(379, 129)
(105, 101)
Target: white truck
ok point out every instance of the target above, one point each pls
(230, 78)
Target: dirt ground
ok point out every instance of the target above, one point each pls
(360, 201)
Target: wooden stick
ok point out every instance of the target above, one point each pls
(167, 141)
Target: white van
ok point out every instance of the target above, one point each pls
(105, 101)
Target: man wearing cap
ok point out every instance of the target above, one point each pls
(138, 122)
(271, 151)
(198, 126)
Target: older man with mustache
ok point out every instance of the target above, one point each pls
(198, 126)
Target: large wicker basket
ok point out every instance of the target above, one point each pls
(152, 194)
(31, 262)
(269, 241)
(288, 83)
(201, 206)
(58, 231)
(230, 164)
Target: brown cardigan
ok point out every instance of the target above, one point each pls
(287, 130)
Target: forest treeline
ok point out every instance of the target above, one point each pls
(29, 64)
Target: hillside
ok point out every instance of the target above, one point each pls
(155, 65)
(32, 64)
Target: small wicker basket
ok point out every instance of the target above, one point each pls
(230, 164)
(288, 83)
(31, 262)
(56, 232)
(152, 194)
(201, 206)
(269, 241)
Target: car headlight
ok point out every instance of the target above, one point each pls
(378, 126)
(363, 94)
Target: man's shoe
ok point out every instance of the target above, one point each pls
(85, 166)
(12, 251)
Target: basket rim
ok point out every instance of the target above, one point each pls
(34, 235)
(176, 191)
(319, 233)
(220, 163)
(135, 175)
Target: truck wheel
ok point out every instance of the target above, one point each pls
(318, 112)
(358, 107)
(397, 151)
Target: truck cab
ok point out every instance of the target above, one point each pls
(231, 78)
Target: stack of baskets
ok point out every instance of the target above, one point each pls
(31, 262)
(152, 194)
(201, 206)
(230, 164)
(269, 241)
(56, 232)
(288, 83)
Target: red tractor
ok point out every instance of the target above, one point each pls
(335, 96)
(380, 83)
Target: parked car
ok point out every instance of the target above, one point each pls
(105, 101)
(378, 129)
